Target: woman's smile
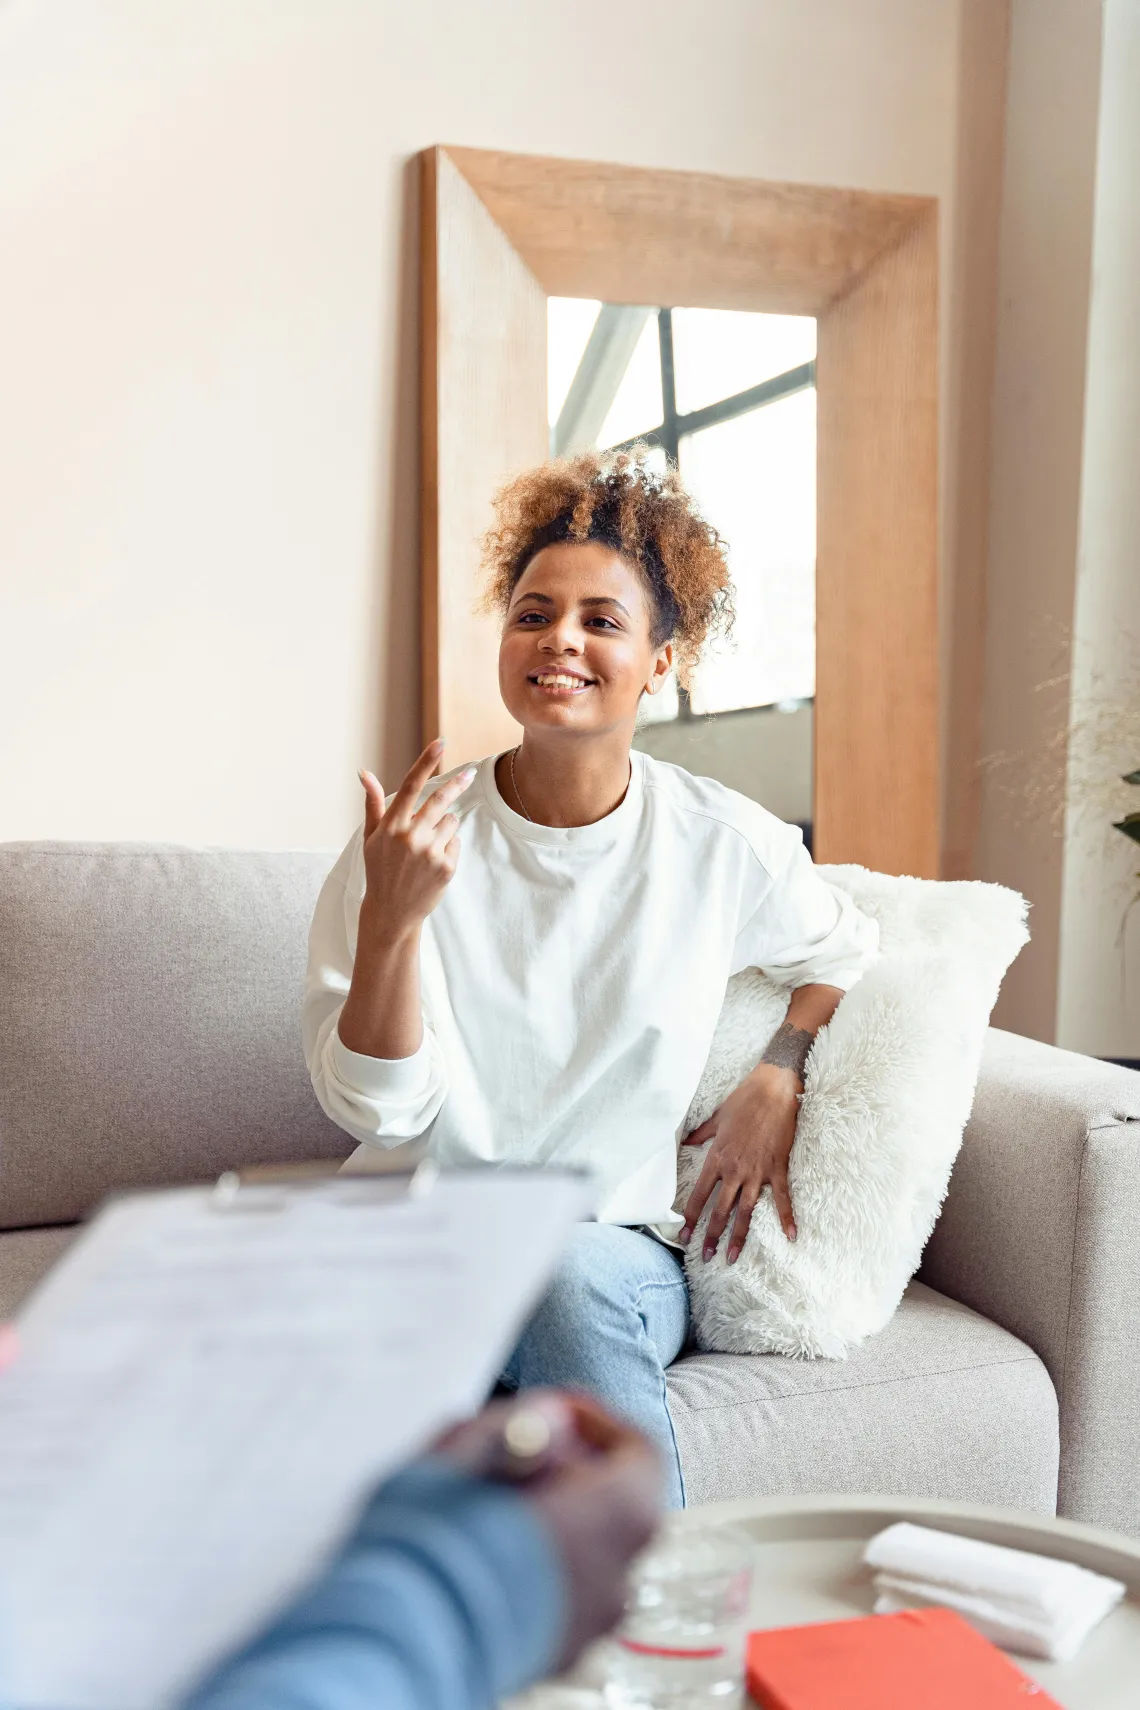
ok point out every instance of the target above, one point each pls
(558, 680)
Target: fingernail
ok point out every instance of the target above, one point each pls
(469, 772)
(685, 1235)
(791, 1234)
(709, 1252)
(733, 1255)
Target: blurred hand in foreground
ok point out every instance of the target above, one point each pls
(595, 1484)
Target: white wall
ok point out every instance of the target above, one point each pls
(208, 343)
(1044, 272)
(1099, 980)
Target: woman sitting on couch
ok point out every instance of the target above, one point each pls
(549, 995)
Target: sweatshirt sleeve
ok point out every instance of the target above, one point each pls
(449, 1596)
(379, 1101)
(804, 931)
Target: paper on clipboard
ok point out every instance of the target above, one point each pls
(206, 1392)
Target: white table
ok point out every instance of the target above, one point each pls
(808, 1568)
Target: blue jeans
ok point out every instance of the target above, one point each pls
(615, 1315)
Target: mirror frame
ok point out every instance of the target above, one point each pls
(502, 232)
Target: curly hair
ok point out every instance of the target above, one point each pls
(617, 500)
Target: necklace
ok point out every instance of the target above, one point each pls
(514, 785)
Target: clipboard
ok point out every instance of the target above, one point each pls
(210, 1384)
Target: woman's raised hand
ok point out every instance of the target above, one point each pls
(410, 853)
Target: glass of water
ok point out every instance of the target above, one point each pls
(681, 1641)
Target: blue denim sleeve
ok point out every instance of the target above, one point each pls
(448, 1596)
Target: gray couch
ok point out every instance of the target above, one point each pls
(149, 1002)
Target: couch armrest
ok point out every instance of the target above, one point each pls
(1041, 1233)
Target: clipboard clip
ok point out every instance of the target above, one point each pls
(272, 1187)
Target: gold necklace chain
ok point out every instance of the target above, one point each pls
(515, 788)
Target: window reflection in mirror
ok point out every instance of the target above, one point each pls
(728, 398)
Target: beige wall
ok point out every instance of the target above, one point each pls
(207, 423)
(1044, 271)
(1099, 975)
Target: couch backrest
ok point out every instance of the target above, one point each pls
(150, 1005)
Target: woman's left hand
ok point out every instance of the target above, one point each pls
(752, 1134)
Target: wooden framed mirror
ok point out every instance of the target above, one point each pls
(503, 233)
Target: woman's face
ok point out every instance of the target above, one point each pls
(576, 651)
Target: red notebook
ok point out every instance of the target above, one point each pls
(928, 1658)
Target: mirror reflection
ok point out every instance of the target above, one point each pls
(729, 398)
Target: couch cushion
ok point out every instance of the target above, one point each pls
(150, 1003)
(888, 1089)
(941, 1403)
(25, 1256)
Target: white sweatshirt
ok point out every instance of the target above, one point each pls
(572, 980)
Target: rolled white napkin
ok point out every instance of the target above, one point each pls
(1027, 1603)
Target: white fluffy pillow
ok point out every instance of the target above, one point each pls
(888, 1089)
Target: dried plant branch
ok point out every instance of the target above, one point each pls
(1083, 768)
